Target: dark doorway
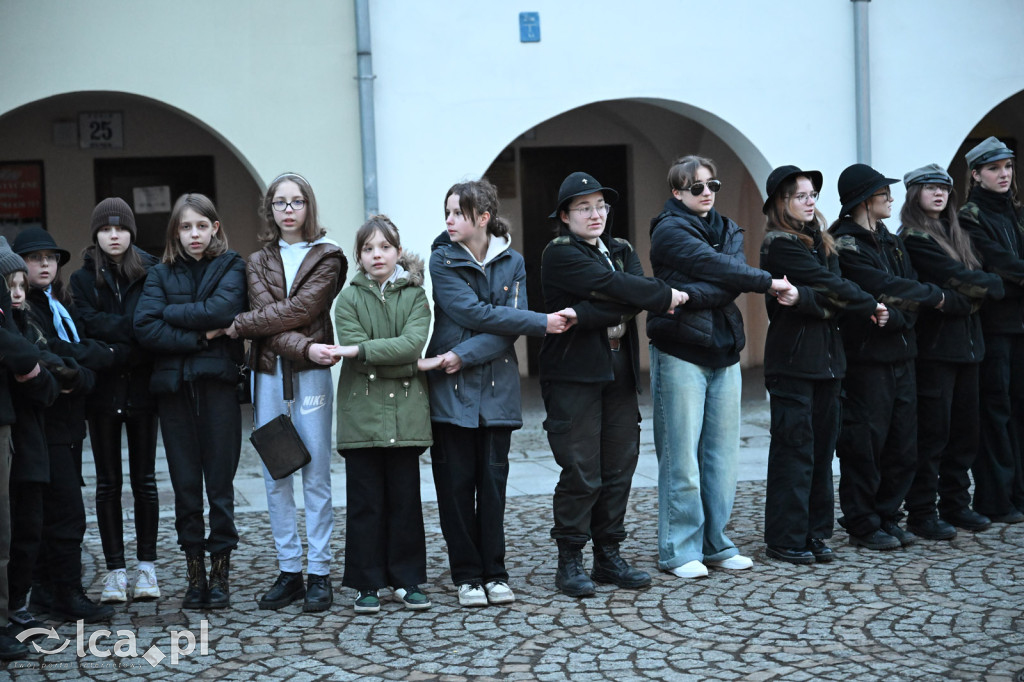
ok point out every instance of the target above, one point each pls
(542, 170)
(151, 186)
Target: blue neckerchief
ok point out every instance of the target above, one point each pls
(61, 317)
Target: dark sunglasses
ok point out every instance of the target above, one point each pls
(697, 188)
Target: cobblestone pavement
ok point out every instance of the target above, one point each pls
(934, 611)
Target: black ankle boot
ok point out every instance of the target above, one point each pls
(197, 592)
(220, 593)
(571, 577)
(610, 567)
(70, 603)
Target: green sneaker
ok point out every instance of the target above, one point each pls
(367, 601)
(413, 598)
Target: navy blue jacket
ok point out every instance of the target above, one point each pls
(478, 314)
(175, 312)
(703, 257)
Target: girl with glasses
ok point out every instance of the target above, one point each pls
(189, 299)
(804, 362)
(994, 217)
(950, 347)
(293, 280)
(877, 444)
(695, 373)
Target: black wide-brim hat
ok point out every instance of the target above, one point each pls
(578, 184)
(783, 173)
(857, 183)
(33, 239)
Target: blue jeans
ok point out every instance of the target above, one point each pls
(697, 437)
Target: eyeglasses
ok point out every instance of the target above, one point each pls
(41, 257)
(586, 211)
(281, 205)
(697, 188)
(887, 194)
(937, 189)
(804, 197)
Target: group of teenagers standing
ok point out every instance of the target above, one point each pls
(915, 331)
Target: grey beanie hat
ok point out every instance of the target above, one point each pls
(990, 149)
(933, 174)
(10, 261)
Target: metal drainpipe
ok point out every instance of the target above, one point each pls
(862, 79)
(367, 130)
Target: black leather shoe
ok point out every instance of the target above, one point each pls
(10, 648)
(931, 527)
(878, 540)
(968, 519)
(823, 554)
(905, 537)
(793, 556)
(41, 597)
(70, 603)
(319, 593)
(286, 589)
(1014, 516)
(610, 567)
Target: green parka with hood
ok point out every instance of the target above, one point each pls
(382, 396)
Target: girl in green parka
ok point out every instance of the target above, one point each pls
(382, 319)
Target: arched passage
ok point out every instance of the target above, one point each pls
(1005, 121)
(629, 144)
(148, 154)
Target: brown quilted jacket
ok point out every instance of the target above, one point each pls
(287, 325)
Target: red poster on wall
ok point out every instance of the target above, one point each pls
(21, 192)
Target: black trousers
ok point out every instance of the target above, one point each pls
(799, 497)
(470, 473)
(877, 444)
(26, 536)
(5, 518)
(947, 437)
(385, 544)
(105, 435)
(594, 433)
(60, 552)
(999, 466)
(202, 432)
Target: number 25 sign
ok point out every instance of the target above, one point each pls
(101, 130)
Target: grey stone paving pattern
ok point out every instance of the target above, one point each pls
(935, 611)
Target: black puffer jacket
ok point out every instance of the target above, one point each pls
(31, 458)
(996, 227)
(878, 263)
(703, 257)
(107, 313)
(954, 333)
(175, 312)
(803, 340)
(575, 274)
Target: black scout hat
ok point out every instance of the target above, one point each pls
(857, 183)
(990, 149)
(577, 184)
(783, 173)
(37, 239)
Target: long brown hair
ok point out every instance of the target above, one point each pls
(477, 197)
(1013, 181)
(957, 244)
(130, 266)
(780, 219)
(311, 227)
(201, 204)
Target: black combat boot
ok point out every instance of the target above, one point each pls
(610, 567)
(220, 593)
(197, 594)
(571, 577)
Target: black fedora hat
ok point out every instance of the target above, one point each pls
(576, 185)
(37, 239)
(857, 183)
(783, 173)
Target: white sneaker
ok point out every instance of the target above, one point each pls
(115, 587)
(691, 569)
(145, 585)
(497, 593)
(473, 595)
(733, 563)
